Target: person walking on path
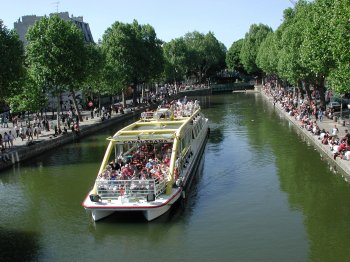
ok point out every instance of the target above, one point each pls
(6, 121)
(320, 114)
(335, 131)
(21, 133)
(11, 138)
(17, 131)
(6, 139)
(29, 133)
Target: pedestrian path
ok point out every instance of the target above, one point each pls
(18, 143)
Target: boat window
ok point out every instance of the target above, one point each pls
(200, 123)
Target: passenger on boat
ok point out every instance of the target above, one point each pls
(114, 175)
(127, 172)
(120, 162)
(150, 164)
(157, 174)
(134, 169)
(166, 160)
(114, 165)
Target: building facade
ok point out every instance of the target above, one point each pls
(22, 26)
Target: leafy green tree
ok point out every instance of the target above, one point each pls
(315, 50)
(267, 58)
(56, 57)
(251, 45)
(205, 54)
(339, 44)
(133, 55)
(233, 60)
(291, 37)
(176, 56)
(12, 62)
(30, 98)
(95, 82)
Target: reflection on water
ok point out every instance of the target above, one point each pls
(261, 193)
(18, 245)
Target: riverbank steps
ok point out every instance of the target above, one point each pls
(338, 165)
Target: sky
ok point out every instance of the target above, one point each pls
(229, 20)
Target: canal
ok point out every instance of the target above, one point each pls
(261, 193)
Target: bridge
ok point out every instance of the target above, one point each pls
(231, 87)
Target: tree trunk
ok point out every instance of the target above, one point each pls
(99, 104)
(307, 89)
(322, 91)
(143, 93)
(134, 94)
(58, 110)
(76, 106)
(123, 99)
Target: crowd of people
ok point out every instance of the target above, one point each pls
(30, 129)
(309, 114)
(148, 161)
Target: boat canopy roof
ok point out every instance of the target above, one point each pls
(160, 126)
(149, 132)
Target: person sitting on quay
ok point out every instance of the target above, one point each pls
(339, 150)
(76, 129)
(346, 137)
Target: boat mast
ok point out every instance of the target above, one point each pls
(104, 162)
(172, 164)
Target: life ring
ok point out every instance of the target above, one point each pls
(121, 191)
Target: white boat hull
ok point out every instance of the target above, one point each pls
(100, 214)
(153, 213)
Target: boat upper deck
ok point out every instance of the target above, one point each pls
(161, 124)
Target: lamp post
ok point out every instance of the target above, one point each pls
(341, 111)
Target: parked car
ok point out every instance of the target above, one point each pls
(334, 105)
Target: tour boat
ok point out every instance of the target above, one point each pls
(149, 164)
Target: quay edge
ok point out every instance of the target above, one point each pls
(339, 165)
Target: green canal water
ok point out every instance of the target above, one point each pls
(261, 193)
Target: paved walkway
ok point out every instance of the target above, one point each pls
(49, 135)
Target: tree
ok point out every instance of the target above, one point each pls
(233, 60)
(290, 37)
(267, 57)
(250, 47)
(12, 62)
(30, 98)
(340, 48)
(315, 50)
(133, 55)
(95, 82)
(56, 57)
(205, 54)
(176, 56)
